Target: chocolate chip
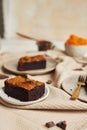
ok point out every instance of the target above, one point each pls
(70, 89)
(62, 125)
(49, 82)
(2, 76)
(50, 124)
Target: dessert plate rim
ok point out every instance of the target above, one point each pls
(14, 101)
(11, 65)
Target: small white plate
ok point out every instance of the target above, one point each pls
(11, 66)
(14, 101)
(70, 84)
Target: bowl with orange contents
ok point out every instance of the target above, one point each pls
(76, 46)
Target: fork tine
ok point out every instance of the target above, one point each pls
(81, 78)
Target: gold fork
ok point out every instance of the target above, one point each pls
(80, 83)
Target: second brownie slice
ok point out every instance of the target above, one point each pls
(31, 63)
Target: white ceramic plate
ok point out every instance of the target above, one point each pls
(14, 101)
(70, 84)
(11, 66)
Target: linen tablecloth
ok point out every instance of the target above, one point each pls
(57, 106)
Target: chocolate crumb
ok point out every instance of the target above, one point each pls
(71, 89)
(62, 125)
(49, 82)
(50, 124)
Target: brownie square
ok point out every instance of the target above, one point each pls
(24, 89)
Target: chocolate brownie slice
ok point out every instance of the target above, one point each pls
(31, 63)
(24, 89)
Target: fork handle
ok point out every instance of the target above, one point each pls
(76, 93)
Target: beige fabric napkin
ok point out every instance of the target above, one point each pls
(66, 68)
(57, 99)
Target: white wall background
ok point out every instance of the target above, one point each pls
(45, 19)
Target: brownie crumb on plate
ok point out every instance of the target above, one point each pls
(49, 82)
